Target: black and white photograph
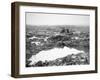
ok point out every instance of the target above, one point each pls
(57, 39)
(53, 39)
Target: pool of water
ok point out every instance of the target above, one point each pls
(52, 54)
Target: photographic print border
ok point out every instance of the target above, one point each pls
(15, 32)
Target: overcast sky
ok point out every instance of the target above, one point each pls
(56, 19)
